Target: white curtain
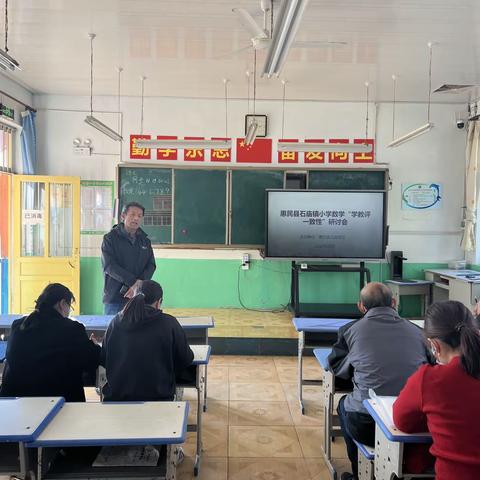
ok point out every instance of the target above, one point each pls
(472, 160)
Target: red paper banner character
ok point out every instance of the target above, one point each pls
(220, 154)
(368, 157)
(259, 152)
(194, 154)
(167, 153)
(338, 157)
(288, 157)
(137, 153)
(314, 157)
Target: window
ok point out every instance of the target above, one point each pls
(157, 219)
(6, 148)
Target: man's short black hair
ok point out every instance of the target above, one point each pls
(376, 294)
(132, 205)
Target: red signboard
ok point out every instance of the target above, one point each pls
(288, 157)
(338, 157)
(365, 157)
(137, 153)
(221, 155)
(194, 154)
(314, 157)
(259, 152)
(167, 153)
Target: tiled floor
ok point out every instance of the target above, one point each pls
(254, 430)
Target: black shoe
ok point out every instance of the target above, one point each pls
(347, 476)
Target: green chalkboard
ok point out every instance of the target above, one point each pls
(200, 206)
(152, 187)
(248, 204)
(347, 179)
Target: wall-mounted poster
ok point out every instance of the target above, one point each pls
(421, 196)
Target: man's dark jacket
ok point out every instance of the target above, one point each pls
(124, 261)
(142, 358)
(46, 357)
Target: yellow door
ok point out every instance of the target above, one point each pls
(46, 237)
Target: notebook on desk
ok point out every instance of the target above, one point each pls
(385, 406)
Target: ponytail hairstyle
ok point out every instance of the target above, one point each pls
(453, 324)
(148, 293)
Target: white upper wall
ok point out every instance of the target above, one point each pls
(438, 156)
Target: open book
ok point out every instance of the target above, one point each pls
(385, 407)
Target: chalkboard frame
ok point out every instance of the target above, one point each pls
(229, 168)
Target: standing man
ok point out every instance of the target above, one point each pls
(127, 259)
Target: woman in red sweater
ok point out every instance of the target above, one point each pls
(445, 398)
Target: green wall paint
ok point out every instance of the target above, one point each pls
(215, 284)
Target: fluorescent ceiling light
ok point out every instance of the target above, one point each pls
(7, 62)
(95, 123)
(184, 144)
(251, 133)
(286, 26)
(324, 147)
(413, 134)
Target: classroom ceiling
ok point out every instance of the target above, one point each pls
(183, 48)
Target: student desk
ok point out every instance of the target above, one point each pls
(89, 426)
(3, 351)
(22, 420)
(460, 285)
(196, 329)
(6, 321)
(389, 444)
(331, 424)
(314, 333)
(423, 288)
(200, 361)
(3, 354)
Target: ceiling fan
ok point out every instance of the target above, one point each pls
(261, 37)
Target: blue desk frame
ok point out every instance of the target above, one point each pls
(331, 422)
(389, 445)
(314, 333)
(196, 331)
(23, 427)
(98, 433)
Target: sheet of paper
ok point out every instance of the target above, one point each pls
(385, 407)
(127, 456)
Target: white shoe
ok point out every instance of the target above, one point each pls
(180, 456)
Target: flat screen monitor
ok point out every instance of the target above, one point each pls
(311, 224)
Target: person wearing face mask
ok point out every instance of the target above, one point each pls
(379, 351)
(444, 399)
(47, 353)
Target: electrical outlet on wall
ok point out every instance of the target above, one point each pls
(245, 261)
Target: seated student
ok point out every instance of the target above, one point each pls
(379, 352)
(144, 349)
(47, 353)
(444, 399)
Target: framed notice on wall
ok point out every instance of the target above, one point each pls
(96, 207)
(421, 196)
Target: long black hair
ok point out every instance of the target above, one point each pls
(148, 293)
(453, 323)
(51, 295)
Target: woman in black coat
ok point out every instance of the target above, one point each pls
(47, 353)
(144, 350)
